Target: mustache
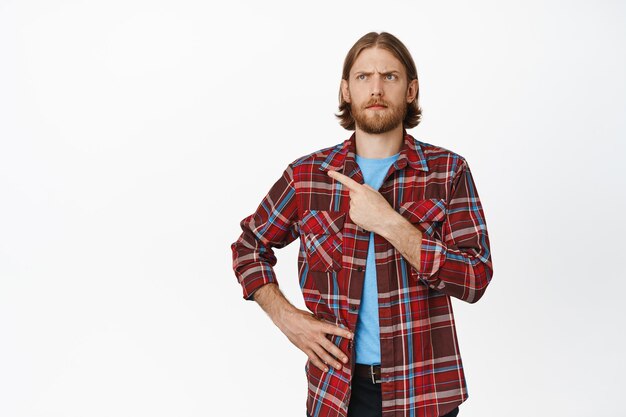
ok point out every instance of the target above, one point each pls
(375, 103)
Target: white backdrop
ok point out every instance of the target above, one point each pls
(135, 135)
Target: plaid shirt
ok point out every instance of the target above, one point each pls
(421, 369)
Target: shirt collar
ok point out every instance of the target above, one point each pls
(343, 156)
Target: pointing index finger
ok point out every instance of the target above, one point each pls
(345, 180)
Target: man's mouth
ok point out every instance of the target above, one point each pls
(376, 106)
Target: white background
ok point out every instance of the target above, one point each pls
(135, 135)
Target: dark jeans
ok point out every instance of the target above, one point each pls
(366, 400)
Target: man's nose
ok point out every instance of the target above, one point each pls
(377, 87)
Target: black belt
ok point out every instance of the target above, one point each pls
(370, 372)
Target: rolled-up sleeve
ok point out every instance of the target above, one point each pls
(461, 264)
(272, 225)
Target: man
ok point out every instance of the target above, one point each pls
(390, 228)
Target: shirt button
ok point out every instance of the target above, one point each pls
(352, 307)
(360, 269)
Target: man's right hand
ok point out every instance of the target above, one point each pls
(302, 328)
(308, 333)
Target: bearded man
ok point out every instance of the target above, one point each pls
(390, 229)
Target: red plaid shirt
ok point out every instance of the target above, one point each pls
(421, 369)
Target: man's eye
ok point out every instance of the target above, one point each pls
(391, 76)
(360, 77)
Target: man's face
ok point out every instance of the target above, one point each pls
(378, 91)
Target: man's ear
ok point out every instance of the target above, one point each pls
(411, 91)
(345, 91)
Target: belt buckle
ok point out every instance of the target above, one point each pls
(372, 373)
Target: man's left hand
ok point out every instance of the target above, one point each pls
(368, 208)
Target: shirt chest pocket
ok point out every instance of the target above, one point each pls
(322, 235)
(428, 215)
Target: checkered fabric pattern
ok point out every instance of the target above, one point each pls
(421, 368)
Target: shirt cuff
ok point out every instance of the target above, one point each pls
(432, 256)
(255, 278)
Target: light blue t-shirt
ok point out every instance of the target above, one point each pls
(367, 334)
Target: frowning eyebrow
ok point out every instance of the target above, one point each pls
(383, 73)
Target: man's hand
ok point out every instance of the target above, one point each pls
(368, 208)
(308, 333)
(302, 328)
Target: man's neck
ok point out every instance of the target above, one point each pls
(380, 145)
